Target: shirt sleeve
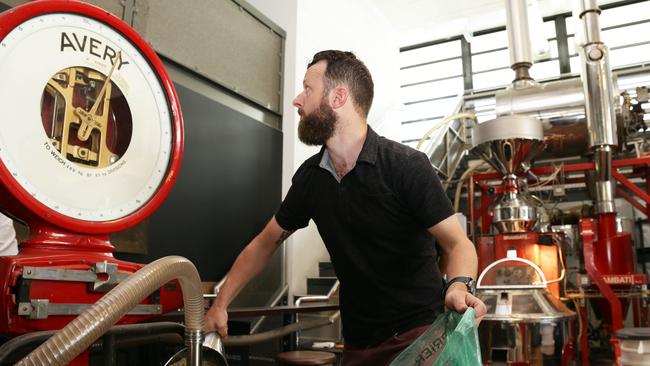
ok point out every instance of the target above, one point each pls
(294, 213)
(8, 244)
(423, 192)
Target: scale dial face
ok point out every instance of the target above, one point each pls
(86, 127)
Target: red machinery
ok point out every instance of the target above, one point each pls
(572, 117)
(520, 266)
(513, 212)
(90, 144)
(611, 280)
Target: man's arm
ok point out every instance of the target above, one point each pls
(247, 265)
(458, 258)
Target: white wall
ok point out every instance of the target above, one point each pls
(313, 26)
(359, 27)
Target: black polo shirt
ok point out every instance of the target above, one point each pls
(374, 223)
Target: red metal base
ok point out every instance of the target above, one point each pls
(58, 292)
(63, 249)
(588, 239)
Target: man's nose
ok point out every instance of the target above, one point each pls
(298, 101)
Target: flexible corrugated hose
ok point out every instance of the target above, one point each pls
(80, 333)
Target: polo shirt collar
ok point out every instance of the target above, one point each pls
(368, 152)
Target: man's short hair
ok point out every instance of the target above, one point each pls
(345, 67)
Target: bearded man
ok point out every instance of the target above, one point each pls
(380, 210)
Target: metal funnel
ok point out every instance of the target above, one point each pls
(508, 143)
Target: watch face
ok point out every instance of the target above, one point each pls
(85, 125)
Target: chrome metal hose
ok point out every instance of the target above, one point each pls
(80, 333)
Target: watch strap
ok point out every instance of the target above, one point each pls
(468, 281)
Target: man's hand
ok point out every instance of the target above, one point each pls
(458, 300)
(217, 320)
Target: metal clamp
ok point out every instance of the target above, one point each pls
(110, 270)
(42, 309)
(36, 309)
(102, 276)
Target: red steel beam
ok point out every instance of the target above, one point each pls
(619, 163)
(631, 186)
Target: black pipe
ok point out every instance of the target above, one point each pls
(108, 343)
(128, 331)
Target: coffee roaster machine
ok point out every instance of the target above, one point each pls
(539, 312)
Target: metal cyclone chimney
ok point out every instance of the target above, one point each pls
(599, 106)
(521, 54)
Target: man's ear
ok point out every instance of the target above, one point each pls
(341, 95)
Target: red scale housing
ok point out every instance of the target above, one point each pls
(58, 242)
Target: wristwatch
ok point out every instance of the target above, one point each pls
(468, 281)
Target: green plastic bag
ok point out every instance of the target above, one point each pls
(452, 340)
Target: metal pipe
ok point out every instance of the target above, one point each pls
(246, 340)
(217, 286)
(317, 298)
(590, 27)
(590, 13)
(598, 85)
(598, 90)
(108, 345)
(193, 341)
(600, 109)
(122, 333)
(560, 105)
(521, 55)
(80, 333)
(604, 184)
(548, 100)
(616, 74)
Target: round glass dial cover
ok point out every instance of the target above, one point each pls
(85, 128)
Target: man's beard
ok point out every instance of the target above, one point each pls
(318, 126)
